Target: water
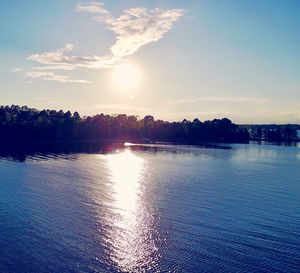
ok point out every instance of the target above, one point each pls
(158, 208)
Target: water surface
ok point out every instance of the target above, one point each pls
(152, 208)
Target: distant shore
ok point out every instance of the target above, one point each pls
(28, 126)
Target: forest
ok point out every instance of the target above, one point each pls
(274, 132)
(21, 124)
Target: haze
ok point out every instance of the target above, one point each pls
(206, 59)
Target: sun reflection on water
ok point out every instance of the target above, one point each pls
(132, 234)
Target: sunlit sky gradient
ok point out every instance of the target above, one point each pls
(201, 58)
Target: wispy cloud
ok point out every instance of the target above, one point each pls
(94, 7)
(16, 70)
(47, 100)
(281, 116)
(58, 60)
(134, 28)
(221, 99)
(120, 107)
(50, 76)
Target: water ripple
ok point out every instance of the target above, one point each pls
(152, 209)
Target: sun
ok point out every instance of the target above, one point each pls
(126, 77)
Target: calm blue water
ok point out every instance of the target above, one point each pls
(152, 209)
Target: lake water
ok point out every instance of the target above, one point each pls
(157, 208)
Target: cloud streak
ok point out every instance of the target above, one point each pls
(58, 60)
(16, 70)
(120, 107)
(134, 28)
(221, 99)
(50, 76)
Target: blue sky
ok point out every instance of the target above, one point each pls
(205, 59)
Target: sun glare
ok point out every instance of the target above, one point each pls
(126, 77)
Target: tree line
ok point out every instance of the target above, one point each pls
(24, 124)
(274, 132)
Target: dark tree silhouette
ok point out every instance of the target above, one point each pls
(273, 132)
(24, 124)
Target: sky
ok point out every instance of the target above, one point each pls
(174, 59)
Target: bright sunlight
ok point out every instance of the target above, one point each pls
(126, 77)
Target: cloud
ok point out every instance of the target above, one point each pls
(16, 70)
(50, 76)
(58, 60)
(119, 107)
(54, 67)
(94, 7)
(47, 100)
(221, 99)
(134, 28)
(281, 116)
